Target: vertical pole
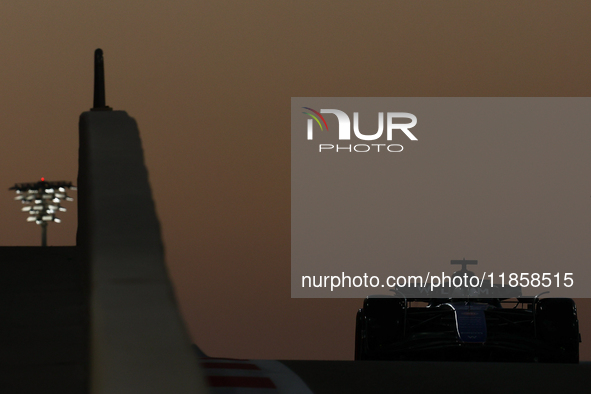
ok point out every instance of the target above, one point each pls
(44, 234)
(99, 82)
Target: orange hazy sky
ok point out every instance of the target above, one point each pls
(210, 85)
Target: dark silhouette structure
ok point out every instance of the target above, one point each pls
(44, 333)
(100, 316)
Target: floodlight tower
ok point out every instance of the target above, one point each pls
(43, 200)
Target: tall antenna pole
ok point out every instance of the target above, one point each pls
(99, 82)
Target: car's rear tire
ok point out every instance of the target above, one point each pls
(557, 326)
(379, 323)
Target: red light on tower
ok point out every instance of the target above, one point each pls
(42, 179)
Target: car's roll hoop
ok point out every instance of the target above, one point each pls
(464, 270)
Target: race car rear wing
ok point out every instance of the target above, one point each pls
(485, 290)
(448, 289)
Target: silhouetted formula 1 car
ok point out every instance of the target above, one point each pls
(484, 324)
